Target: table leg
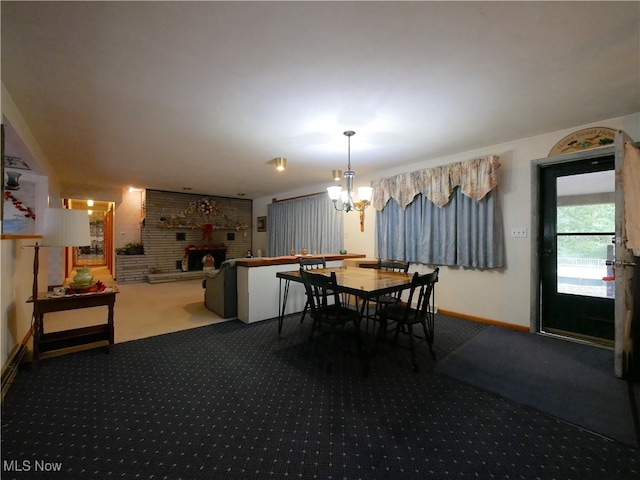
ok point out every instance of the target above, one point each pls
(111, 326)
(37, 335)
(283, 303)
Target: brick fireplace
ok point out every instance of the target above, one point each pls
(166, 246)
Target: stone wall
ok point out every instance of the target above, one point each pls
(132, 268)
(168, 231)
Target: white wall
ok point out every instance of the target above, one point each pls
(16, 278)
(17, 283)
(127, 218)
(499, 295)
(16, 257)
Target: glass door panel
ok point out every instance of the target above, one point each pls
(578, 225)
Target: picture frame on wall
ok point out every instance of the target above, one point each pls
(19, 205)
(2, 176)
(262, 224)
(19, 196)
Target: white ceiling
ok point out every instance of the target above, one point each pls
(205, 94)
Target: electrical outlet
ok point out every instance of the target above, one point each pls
(123, 234)
(520, 232)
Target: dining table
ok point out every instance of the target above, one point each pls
(364, 284)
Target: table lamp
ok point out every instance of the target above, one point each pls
(61, 228)
(68, 228)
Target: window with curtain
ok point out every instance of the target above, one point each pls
(308, 222)
(449, 215)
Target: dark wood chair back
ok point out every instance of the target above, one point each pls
(422, 286)
(319, 289)
(393, 265)
(312, 263)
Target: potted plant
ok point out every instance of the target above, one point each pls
(131, 249)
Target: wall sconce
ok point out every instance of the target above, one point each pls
(281, 163)
(337, 175)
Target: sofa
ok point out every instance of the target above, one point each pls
(220, 294)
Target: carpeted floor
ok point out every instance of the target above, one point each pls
(235, 401)
(571, 381)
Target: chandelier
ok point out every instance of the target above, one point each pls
(343, 200)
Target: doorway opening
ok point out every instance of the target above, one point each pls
(576, 249)
(99, 254)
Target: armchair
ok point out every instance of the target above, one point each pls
(221, 294)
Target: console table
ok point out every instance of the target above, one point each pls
(46, 303)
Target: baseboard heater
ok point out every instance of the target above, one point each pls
(10, 370)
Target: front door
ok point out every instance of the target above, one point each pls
(577, 205)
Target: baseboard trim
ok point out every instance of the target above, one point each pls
(488, 321)
(10, 370)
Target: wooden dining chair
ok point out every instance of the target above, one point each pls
(327, 311)
(310, 264)
(391, 266)
(384, 300)
(407, 314)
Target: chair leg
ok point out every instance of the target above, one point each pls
(412, 347)
(304, 311)
(428, 335)
(395, 337)
(381, 334)
(335, 349)
(363, 354)
(307, 345)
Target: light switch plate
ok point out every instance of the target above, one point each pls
(520, 232)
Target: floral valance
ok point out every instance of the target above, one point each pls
(475, 178)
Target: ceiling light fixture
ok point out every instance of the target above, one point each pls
(89, 203)
(281, 163)
(337, 175)
(343, 200)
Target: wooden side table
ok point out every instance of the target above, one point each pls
(45, 303)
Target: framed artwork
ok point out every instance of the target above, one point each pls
(19, 205)
(584, 139)
(2, 176)
(262, 224)
(15, 162)
(19, 194)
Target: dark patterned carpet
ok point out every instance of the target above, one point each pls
(568, 380)
(234, 401)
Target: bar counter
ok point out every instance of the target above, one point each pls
(258, 297)
(289, 259)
